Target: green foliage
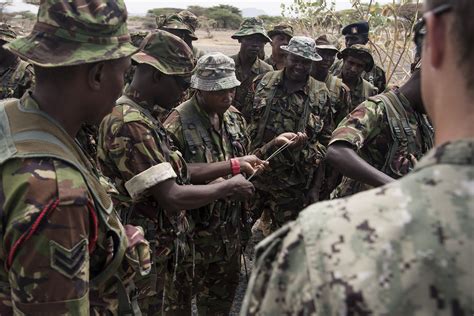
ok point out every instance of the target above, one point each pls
(197, 10)
(224, 18)
(271, 20)
(232, 9)
(391, 27)
(220, 16)
(163, 11)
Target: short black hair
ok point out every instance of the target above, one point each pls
(462, 32)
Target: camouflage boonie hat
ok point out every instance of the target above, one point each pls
(214, 72)
(284, 29)
(251, 26)
(76, 32)
(167, 53)
(327, 42)
(359, 51)
(302, 46)
(183, 21)
(6, 33)
(138, 37)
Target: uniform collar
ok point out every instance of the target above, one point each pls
(459, 152)
(305, 89)
(255, 66)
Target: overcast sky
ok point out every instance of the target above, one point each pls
(271, 7)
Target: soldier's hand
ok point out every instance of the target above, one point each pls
(251, 164)
(295, 139)
(240, 188)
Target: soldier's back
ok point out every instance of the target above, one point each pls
(394, 250)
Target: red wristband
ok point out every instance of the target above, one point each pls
(235, 166)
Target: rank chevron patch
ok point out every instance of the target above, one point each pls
(69, 262)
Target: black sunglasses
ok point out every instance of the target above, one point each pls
(420, 26)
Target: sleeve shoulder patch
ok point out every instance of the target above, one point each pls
(69, 262)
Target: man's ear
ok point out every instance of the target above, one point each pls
(96, 75)
(435, 39)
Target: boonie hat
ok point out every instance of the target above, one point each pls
(359, 51)
(214, 72)
(251, 26)
(74, 32)
(302, 46)
(284, 29)
(183, 21)
(167, 53)
(327, 42)
(6, 33)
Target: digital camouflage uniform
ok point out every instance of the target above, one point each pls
(136, 153)
(283, 29)
(402, 249)
(283, 188)
(63, 247)
(17, 77)
(391, 148)
(217, 236)
(243, 97)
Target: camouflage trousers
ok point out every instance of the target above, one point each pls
(211, 274)
(349, 187)
(281, 206)
(150, 299)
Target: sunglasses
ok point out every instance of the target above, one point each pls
(420, 28)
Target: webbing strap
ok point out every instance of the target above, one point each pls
(7, 146)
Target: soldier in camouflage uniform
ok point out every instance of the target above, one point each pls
(182, 24)
(281, 34)
(153, 178)
(356, 60)
(405, 248)
(252, 38)
(63, 247)
(208, 129)
(16, 75)
(338, 91)
(381, 139)
(358, 33)
(340, 100)
(290, 100)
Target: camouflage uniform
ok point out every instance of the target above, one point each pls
(391, 148)
(403, 249)
(339, 92)
(184, 21)
(283, 188)
(63, 246)
(136, 153)
(375, 76)
(283, 29)
(243, 97)
(217, 235)
(363, 89)
(17, 77)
